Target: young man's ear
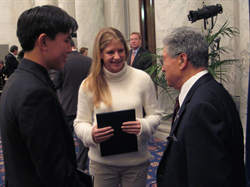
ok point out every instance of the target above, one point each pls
(42, 41)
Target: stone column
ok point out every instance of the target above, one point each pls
(46, 2)
(9, 14)
(68, 6)
(114, 14)
(90, 18)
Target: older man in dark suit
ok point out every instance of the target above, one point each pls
(138, 57)
(68, 80)
(38, 146)
(205, 146)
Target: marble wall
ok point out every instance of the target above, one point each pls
(92, 15)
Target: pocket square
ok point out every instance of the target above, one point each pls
(172, 138)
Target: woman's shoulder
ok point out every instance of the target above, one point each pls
(84, 88)
(140, 73)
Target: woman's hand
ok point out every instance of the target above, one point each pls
(102, 134)
(132, 127)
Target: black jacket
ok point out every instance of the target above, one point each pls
(38, 146)
(205, 146)
(142, 59)
(11, 63)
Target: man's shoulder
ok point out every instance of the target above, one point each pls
(23, 82)
(77, 55)
(140, 74)
(86, 58)
(9, 55)
(142, 50)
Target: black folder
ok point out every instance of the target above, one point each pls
(120, 142)
(86, 178)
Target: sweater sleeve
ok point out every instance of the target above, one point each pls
(83, 122)
(153, 113)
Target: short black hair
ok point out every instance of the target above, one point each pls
(13, 48)
(46, 19)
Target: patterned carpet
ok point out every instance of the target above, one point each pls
(155, 146)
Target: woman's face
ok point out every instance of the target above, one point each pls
(113, 56)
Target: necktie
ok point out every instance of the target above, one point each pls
(132, 58)
(176, 109)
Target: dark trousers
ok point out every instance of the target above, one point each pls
(82, 156)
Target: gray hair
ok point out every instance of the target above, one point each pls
(190, 41)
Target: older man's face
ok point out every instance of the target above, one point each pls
(171, 69)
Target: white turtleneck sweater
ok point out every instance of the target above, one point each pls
(130, 88)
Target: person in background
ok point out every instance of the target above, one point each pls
(137, 55)
(3, 71)
(84, 51)
(11, 61)
(20, 55)
(68, 80)
(38, 146)
(113, 86)
(205, 146)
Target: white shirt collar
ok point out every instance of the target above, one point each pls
(136, 50)
(188, 84)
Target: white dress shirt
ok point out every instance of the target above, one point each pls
(188, 84)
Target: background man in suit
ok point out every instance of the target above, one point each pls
(38, 146)
(84, 51)
(68, 80)
(136, 54)
(205, 145)
(3, 72)
(11, 61)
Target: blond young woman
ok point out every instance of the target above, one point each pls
(112, 86)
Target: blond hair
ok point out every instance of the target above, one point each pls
(139, 34)
(96, 81)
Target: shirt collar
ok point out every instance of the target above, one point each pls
(188, 84)
(136, 50)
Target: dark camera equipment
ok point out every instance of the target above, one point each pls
(205, 13)
(74, 35)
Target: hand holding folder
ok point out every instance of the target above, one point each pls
(120, 142)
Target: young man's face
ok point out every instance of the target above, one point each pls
(57, 51)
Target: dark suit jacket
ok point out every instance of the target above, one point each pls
(205, 145)
(69, 79)
(140, 61)
(11, 63)
(38, 145)
(3, 73)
